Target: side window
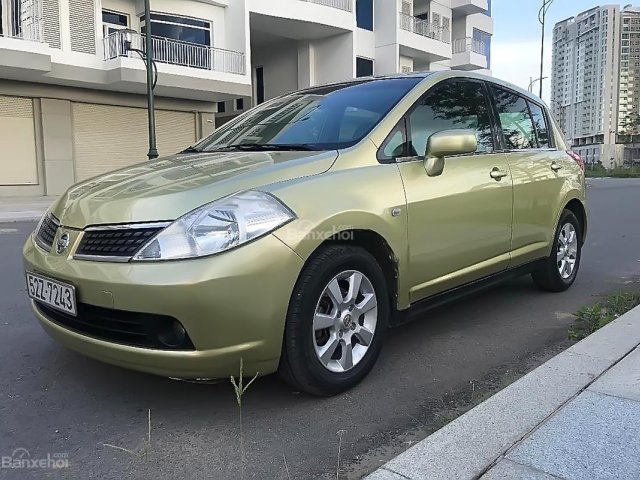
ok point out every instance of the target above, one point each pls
(394, 145)
(517, 125)
(540, 124)
(451, 105)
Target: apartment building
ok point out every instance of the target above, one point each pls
(594, 89)
(72, 85)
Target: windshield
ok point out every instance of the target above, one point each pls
(324, 118)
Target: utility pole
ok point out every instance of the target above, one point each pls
(542, 14)
(153, 149)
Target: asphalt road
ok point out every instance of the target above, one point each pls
(55, 401)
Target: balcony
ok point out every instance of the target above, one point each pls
(346, 5)
(469, 7)
(469, 54)
(175, 52)
(423, 41)
(22, 48)
(424, 28)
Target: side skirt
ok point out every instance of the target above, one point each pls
(420, 307)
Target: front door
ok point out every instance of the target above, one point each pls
(460, 221)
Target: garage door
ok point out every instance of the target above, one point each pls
(17, 142)
(106, 138)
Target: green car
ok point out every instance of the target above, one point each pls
(296, 234)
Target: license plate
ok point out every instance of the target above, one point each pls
(53, 293)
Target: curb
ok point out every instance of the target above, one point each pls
(24, 209)
(470, 445)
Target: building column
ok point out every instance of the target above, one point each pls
(57, 143)
(306, 65)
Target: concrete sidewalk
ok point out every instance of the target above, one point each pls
(23, 209)
(575, 417)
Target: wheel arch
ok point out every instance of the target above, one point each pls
(379, 248)
(576, 206)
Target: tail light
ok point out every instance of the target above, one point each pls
(577, 158)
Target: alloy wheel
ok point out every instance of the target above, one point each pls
(345, 321)
(567, 254)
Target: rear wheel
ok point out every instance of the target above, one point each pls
(336, 321)
(559, 271)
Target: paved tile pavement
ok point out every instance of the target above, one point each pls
(575, 417)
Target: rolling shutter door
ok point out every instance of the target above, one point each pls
(17, 142)
(107, 138)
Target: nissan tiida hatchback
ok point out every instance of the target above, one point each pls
(293, 236)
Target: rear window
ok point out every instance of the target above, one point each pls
(540, 124)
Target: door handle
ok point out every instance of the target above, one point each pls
(497, 174)
(555, 166)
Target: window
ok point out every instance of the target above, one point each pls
(517, 125)
(395, 146)
(239, 103)
(259, 85)
(364, 14)
(364, 67)
(183, 29)
(113, 21)
(321, 118)
(222, 107)
(540, 124)
(451, 105)
(115, 18)
(483, 40)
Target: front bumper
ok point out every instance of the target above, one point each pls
(232, 305)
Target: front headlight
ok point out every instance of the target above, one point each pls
(217, 226)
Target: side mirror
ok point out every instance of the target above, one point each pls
(444, 144)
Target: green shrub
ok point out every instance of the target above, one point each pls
(597, 316)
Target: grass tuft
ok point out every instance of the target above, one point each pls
(597, 316)
(146, 446)
(240, 389)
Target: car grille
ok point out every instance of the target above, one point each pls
(118, 242)
(47, 232)
(119, 326)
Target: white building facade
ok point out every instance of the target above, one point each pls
(72, 92)
(595, 93)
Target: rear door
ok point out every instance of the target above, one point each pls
(538, 172)
(460, 221)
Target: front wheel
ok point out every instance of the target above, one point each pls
(559, 271)
(336, 322)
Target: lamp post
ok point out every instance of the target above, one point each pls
(542, 14)
(152, 74)
(533, 81)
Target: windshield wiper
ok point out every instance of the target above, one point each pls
(191, 149)
(265, 147)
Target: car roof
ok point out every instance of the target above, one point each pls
(435, 77)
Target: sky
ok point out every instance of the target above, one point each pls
(515, 47)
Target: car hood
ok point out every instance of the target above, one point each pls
(167, 188)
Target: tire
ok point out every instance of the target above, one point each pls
(549, 276)
(300, 364)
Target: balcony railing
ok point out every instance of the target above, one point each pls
(175, 52)
(346, 5)
(26, 20)
(461, 45)
(424, 28)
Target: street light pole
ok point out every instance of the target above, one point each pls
(153, 150)
(542, 14)
(533, 81)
